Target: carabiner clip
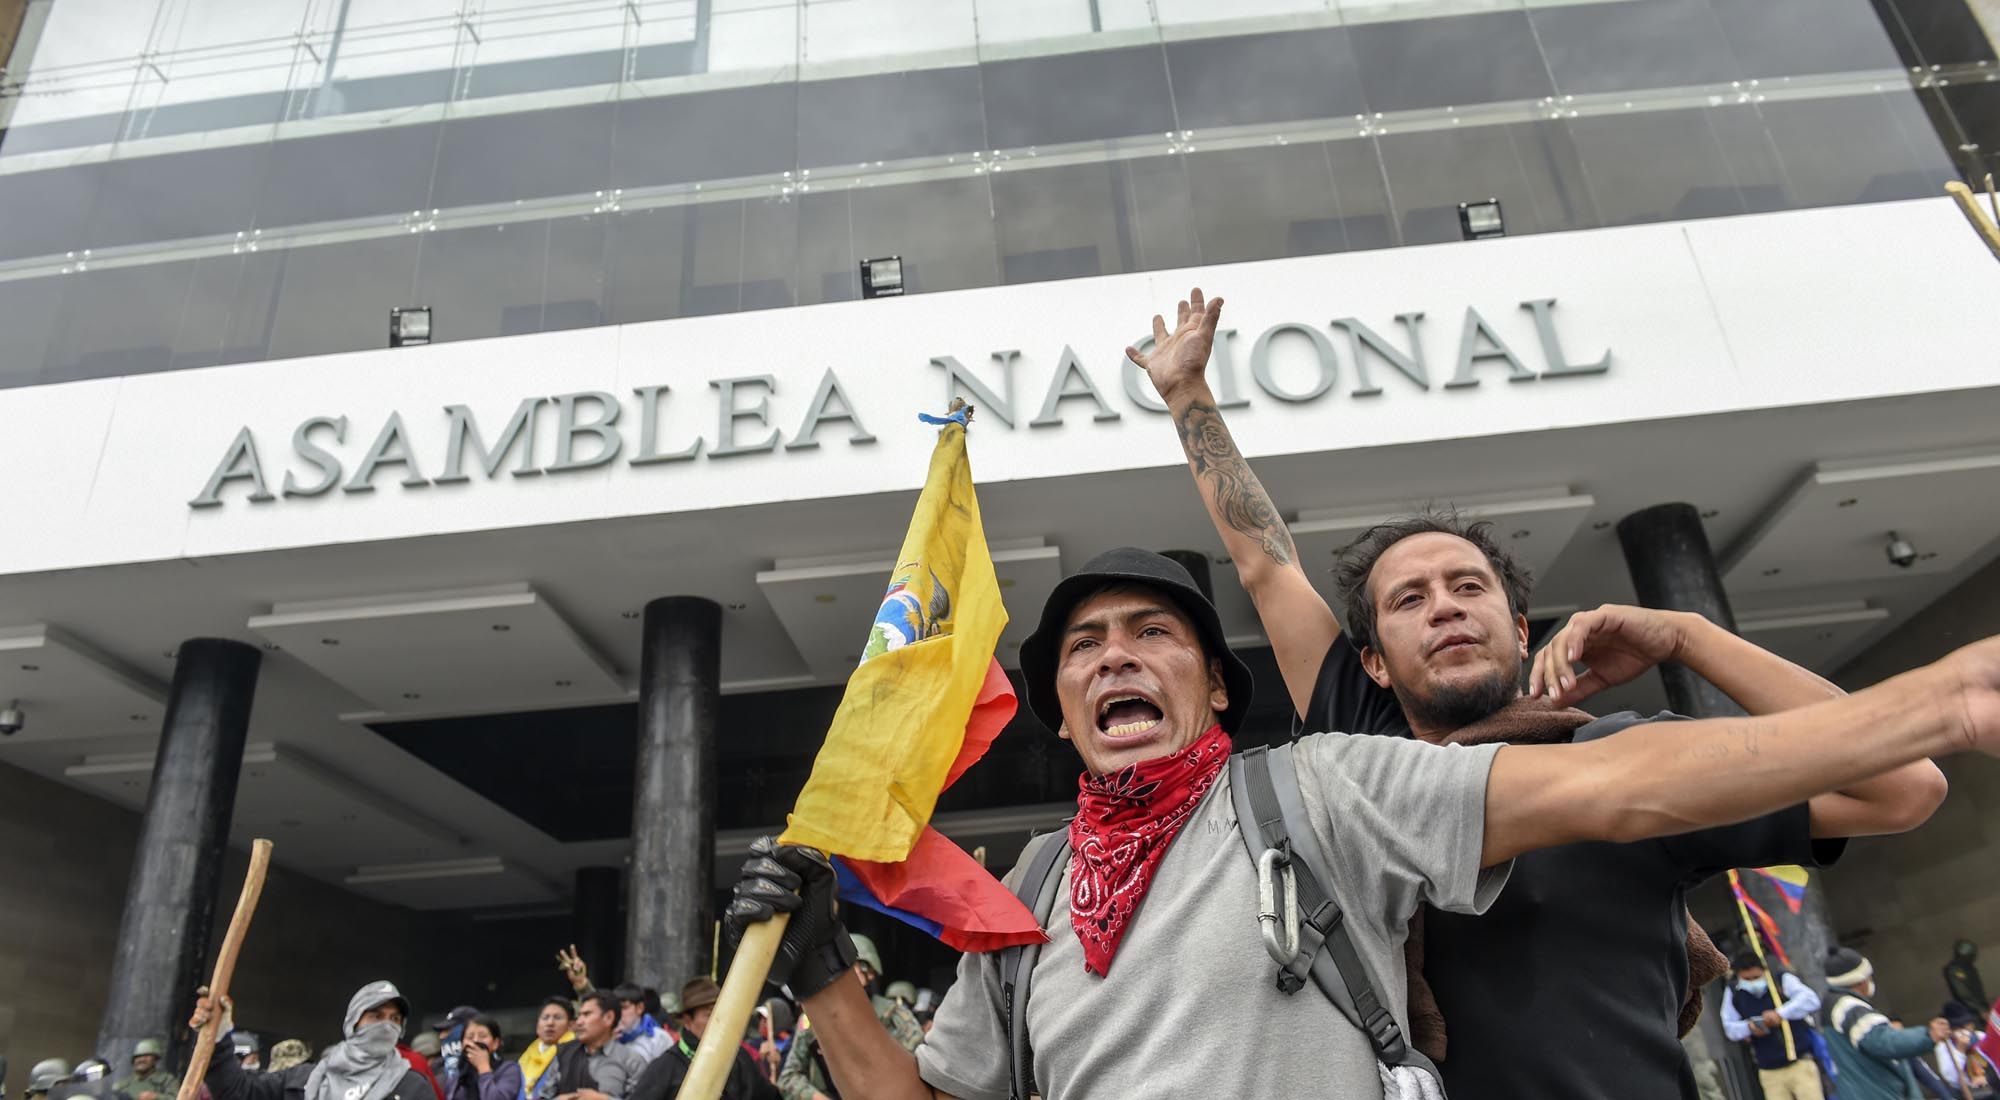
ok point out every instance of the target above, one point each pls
(1272, 866)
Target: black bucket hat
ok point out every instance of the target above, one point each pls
(1128, 565)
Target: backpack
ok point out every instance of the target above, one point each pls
(1309, 942)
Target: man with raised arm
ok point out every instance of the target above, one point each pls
(1590, 939)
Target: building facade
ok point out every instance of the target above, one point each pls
(1726, 277)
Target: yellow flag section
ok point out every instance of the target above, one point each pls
(901, 722)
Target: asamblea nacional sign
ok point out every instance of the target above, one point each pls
(595, 428)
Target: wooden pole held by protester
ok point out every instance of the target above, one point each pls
(225, 966)
(1968, 203)
(741, 991)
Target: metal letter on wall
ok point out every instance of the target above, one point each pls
(520, 431)
(238, 463)
(391, 448)
(1470, 352)
(1070, 381)
(1411, 364)
(828, 396)
(317, 456)
(728, 413)
(649, 431)
(1260, 362)
(1545, 327)
(956, 377)
(609, 442)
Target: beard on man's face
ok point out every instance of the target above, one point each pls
(1457, 705)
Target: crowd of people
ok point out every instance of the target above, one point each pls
(1448, 893)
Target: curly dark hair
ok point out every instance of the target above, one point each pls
(1357, 561)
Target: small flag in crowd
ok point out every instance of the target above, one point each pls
(1764, 933)
(924, 705)
(1790, 881)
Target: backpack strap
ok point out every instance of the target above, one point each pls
(1037, 890)
(1264, 784)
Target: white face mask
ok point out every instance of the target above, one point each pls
(1753, 986)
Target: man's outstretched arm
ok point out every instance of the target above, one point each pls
(1667, 778)
(1618, 643)
(1296, 618)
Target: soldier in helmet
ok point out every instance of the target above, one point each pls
(44, 1076)
(903, 993)
(91, 1080)
(149, 1080)
(805, 1076)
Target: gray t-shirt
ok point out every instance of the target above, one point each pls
(1190, 1007)
(615, 1066)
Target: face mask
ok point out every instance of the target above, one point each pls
(377, 1040)
(1754, 986)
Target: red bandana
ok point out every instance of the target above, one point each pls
(1124, 824)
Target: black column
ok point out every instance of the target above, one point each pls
(163, 939)
(1196, 563)
(1672, 567)
(673, 792)
(595, 927)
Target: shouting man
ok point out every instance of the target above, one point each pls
(1435, 609)
(1155, 981)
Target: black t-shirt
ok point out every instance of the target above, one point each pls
(1571, 985)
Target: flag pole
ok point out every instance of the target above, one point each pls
(740, 991)
(1777, 988)
(1968, 204)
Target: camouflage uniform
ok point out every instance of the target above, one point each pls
(160, 1081)
(804, 1074)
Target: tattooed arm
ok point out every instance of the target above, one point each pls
(1665, 778)
(1300, 624)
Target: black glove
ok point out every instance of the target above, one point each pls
(815, 951)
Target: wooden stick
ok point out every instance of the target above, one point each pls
(740, 991)
(225, 967)
(1969, 205)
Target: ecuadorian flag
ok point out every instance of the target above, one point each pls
(923, 706)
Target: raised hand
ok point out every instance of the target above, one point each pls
(1181, 356)
(1616, 643)
(204, 1006)
(572, 967)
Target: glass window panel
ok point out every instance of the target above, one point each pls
(253, 311)
(214, 64)
(60, 199)
(28, 312)
(1087, 219)
(751, 35)
(770, 253)
(1793, 37)
(1163, 226)
(573, 283)
(178, 196)
(524, 155)
(1976, 107)
(1243, 79)
(1255, 204)
(826, 259)
(727, 134)
(942, 228)
(371, 172)
(890, 116)
(644, 263)
(1450, 61)
(1181, 13)
(337, 297)
(1753, 160)
(483, 281)
(1946, 33)
(1011, 21)
(22, 138)
(204, 326)
(1632, 45)
(1526, 166)
(1653, 166)
(1077, 97)
(118, 321)
(1850, 149)
(712, 258)
(850, 30)
(85, 61)
(1367, 217)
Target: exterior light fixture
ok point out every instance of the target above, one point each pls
(1480, 220)
(882, 278)
(409, 325)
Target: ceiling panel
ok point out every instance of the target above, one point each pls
(497, 648)
(1814, 636)
(67, 688)
(478, 882)
(1834, 526)
(827, 605)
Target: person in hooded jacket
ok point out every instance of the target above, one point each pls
(484, 1074)
(364, 1065)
